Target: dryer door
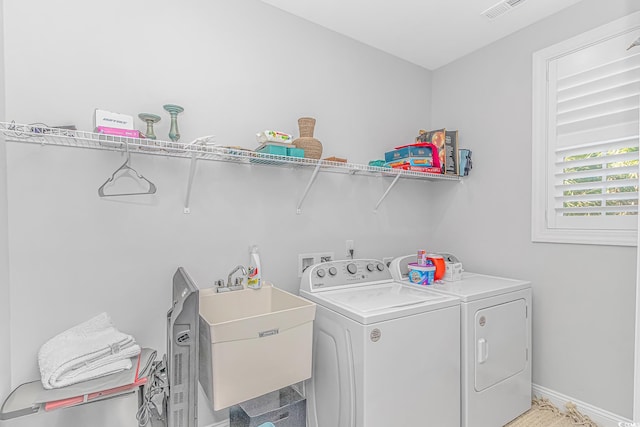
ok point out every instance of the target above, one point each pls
(500, 342)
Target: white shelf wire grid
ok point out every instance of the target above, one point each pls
(40, 134)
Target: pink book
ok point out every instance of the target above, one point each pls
(64, 403)
(118, 132)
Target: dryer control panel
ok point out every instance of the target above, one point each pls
(344, 273)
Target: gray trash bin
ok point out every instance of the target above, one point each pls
(284, 408)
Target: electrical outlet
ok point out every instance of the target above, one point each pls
(307, 260)
(351, 248)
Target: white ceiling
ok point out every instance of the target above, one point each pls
(429, 33)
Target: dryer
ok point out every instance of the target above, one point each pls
(384, 353)
(495, 342)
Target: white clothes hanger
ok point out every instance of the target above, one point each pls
(125, 167)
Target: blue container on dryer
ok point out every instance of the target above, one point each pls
(421, 274)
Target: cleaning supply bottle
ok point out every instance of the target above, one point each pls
(254, 279)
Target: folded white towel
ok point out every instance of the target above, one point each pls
(89, 350)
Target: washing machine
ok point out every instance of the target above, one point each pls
(495, 342)
(384, 353)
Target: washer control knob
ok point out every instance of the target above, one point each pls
(380, 266)
(320, 272)
(371, 267)
(351, 268)
(333, 271)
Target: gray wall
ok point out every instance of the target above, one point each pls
(237, 68)
(5, 331)
(583, 322)
(240, 67)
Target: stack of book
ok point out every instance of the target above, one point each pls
(419, 157)
(446, 143)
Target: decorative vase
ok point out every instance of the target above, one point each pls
(311, 146)
(174, 110)
(150, 120)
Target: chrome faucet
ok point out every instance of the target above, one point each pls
(238, 283)
(231, 286)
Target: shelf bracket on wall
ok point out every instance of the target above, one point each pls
(192, 172)
(306, 190)
(375, 210)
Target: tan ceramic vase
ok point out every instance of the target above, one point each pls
(311, 146)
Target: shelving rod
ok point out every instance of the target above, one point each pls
(192, 172)
(375, 210)
(306, 190)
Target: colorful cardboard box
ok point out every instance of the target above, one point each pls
(437, 138)
(412, 161)
(407, 151)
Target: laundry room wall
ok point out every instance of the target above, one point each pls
(5, 356)
(583, 295)
(237, 68)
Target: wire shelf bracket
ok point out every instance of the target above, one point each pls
(306, 190)
(395, 180)
(192, 172)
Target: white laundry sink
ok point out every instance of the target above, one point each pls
(253, 342)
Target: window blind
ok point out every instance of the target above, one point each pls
(593, 122)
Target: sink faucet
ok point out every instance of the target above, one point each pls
(238, 284)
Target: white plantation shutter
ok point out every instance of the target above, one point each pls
(586, 140)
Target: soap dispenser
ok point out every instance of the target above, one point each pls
(254, 279)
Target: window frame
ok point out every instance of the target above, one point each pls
(543, 154)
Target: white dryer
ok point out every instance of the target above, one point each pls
(495, 340)
(384, 353)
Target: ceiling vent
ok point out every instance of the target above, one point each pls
(501, 8)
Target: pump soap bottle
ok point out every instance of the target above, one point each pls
(254, 279)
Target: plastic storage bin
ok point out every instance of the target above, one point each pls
(284, 408)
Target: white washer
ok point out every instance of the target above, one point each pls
(495, 343)
(384, 354)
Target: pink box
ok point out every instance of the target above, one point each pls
(119, 132)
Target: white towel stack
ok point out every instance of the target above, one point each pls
(89, 350)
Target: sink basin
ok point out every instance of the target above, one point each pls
(253, 342)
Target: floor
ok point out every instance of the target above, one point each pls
(544, 414)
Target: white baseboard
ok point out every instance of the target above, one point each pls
(599, 416)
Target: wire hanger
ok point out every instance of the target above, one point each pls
(125, 166)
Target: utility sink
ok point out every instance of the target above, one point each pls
(253, 342)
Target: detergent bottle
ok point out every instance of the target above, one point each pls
(254, 278)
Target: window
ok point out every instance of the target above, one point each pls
(586, 98)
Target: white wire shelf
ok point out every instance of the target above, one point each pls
(197, 150)
(39, 134)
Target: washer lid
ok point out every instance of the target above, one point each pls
(474, 286)
(375, 303)
(379, 297)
